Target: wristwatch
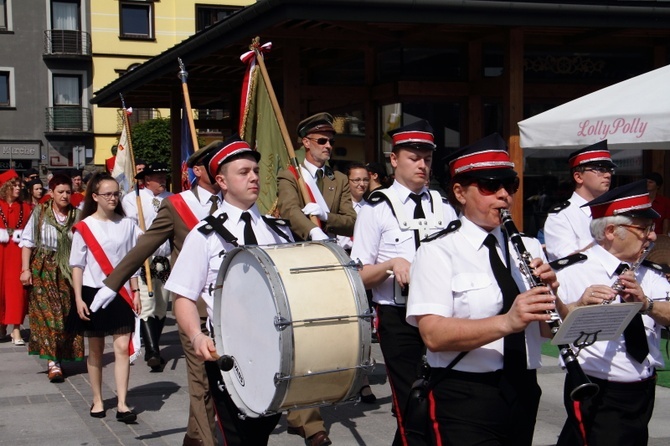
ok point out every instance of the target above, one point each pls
(649, 307)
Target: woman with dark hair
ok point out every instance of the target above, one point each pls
(32, 193)
(14, 215)
(101, 239)
(46, 243)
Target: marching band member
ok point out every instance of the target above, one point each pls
(623, 368)
(387, 234)
(177, 215)
(154, 309)
(481, 324)
(332, 206)
(237, 221)
(566, 229)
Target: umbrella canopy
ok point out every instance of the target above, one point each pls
(633, 114)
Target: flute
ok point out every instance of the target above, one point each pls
(582, 387)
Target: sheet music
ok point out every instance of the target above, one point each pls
(596, 323)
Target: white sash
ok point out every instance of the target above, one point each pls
(316, 193)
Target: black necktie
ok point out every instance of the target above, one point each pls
(634, 334)
(514, 344)
(418, 213)
(249, 236)
(215, 204)
(319, 179)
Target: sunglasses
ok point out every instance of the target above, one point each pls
(600, 170)
(489, 186)
(322, 141)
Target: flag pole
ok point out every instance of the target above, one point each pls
(282, 126)
(138, 200)
(183, 75)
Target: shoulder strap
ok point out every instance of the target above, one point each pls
(183, 210)
(559, 207)
(100, 256)
(567, 261)
(215, 224)
(274, 224)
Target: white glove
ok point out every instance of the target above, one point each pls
(102, 298)
(317, 234)
(316, 210)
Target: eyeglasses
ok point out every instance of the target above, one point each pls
(359, 180)
(600, 171)
(109, 195)
(646, 230)
(322, 141)
(489, 186)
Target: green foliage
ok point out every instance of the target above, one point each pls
(151, 140)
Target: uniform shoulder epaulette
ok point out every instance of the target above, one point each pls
(559, 207)
(275, 223)
(377, 197)
(215, 224)
(658, 267)
(567, 261)
(451, 227)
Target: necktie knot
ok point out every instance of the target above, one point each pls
(490, 241)
(214, 199)
(246, 217)
(416, 198)
(623, 267)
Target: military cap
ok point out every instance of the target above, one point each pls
(228, 150)
(631, 200)
(594, 155)
(418, 135)
(318, 123)
(200, 154)
(486, 158)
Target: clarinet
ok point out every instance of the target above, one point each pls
(617, 285)
(582, 388)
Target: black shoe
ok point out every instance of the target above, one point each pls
(367, 399)
(101, 414)
(126, 417)
(158, 368)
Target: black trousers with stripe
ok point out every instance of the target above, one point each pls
(403, 348)
(483, 408)
(618, 415)
(236, 432)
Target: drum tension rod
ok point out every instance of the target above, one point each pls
(279, 378)
(281, 322)
(356, 264)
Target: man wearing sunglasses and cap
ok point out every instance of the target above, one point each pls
(177, 215)
(480, 318)
(566, 229)
(234, 167)
(624, 368)
(386, 237)
(331, 202)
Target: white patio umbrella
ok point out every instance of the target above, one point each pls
(633, 114)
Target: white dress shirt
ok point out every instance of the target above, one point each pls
(567, 231)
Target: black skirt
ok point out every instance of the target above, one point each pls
(117, 318)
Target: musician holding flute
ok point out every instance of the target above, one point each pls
(623, 368)
(480, 319)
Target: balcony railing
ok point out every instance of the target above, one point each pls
(66, 42)
(68, 119)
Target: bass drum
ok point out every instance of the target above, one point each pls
(295, 320)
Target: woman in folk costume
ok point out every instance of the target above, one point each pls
(45, 245)
(14, 215)
(101, 239)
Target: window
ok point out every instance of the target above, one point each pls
(5, 15)
(7, 87)
(67, 111)
(136, 20)
(65, 15)
(208, 15)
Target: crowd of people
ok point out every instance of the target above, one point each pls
(459, 324)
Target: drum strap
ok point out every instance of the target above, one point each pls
(216, 224)
(274, 225)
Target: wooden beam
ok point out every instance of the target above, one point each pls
(176, 99)
(291, 74)
(513, 104)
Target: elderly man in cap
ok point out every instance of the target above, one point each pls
(237, 221)
(566, 229)
(177, 215)
(387, 235)
(624, 368)
(332, 197)
(480, 318)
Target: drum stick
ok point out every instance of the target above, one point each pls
(224, 362)
(389, 272)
